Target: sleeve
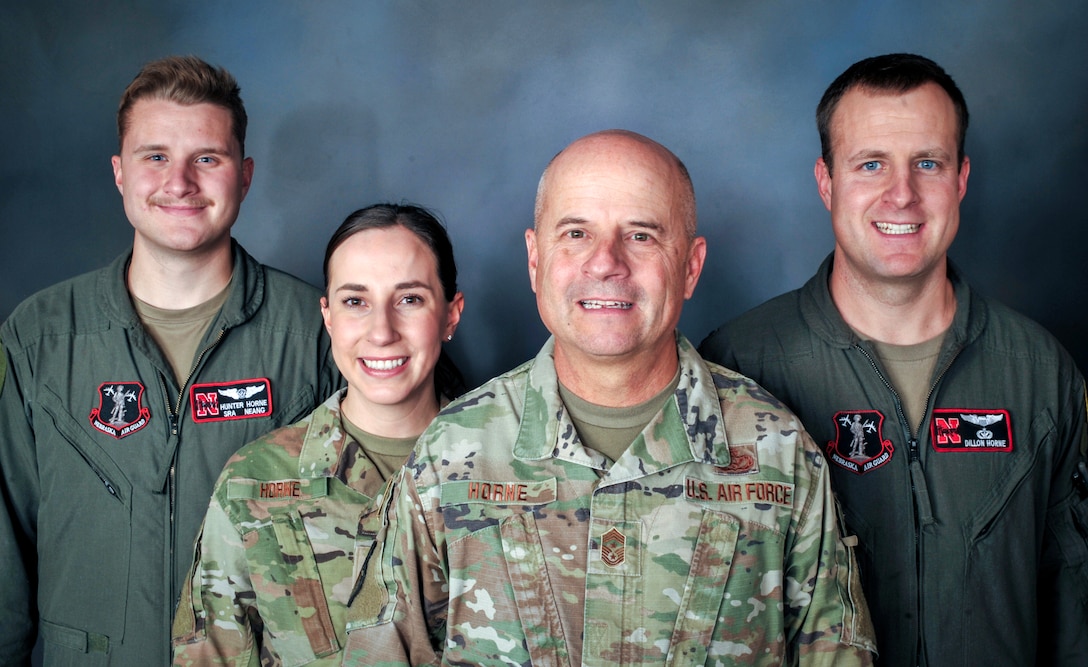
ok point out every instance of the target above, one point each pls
(829, 623)
(397, 614)
(1063, 573)
(715, 347)
(19, 499)
(214, 623)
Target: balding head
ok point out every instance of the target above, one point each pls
(623, 144)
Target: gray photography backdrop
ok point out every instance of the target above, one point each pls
(458, 106)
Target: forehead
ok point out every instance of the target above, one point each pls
(391, 254)
(864, 116)
(149, 117)
(611, 179)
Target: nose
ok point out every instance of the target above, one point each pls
(902, 190)
(381, 329)
(180, 181)
(606, 259)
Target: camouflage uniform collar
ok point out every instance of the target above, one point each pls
(690, 427)
(323, 446)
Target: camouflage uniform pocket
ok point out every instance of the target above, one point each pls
(289, 593)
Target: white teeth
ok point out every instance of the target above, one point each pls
(384, 364)
(891, 228)
(596, 305)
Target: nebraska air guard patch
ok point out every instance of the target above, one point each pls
(859, 446)
(125, 413)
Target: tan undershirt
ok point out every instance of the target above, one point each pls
(387, 454)
(910, 370)
(179, 332)
(611, 431)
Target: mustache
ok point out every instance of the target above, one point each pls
(191, 202)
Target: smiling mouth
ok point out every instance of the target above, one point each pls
(893, 228)
(594, 304)
(384, 364)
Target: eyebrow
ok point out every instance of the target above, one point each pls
(359, 287)
(879, 154)
(162, 148)
(574, 221)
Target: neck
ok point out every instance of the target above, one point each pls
(900, 313)
(403, 420)
(616, 384)
(178, 280)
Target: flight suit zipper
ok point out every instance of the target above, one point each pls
(175, 426)
(923, 506)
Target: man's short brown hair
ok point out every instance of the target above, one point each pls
(185, 80)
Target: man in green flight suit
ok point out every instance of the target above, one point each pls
(130, 386)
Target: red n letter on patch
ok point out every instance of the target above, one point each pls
(946, 431)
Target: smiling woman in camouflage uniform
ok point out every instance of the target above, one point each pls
(273, 565)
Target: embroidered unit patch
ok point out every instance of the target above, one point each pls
(743, 460)
(120, 410)
(859, 445)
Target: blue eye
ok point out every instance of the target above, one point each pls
(927, 164)
(871, 165)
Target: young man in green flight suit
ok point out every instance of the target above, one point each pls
(129, 387)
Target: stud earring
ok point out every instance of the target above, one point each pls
(449, 338)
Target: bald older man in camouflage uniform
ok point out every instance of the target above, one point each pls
(616, 500)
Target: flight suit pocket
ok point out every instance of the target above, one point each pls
(63, 645)
(93, 497)
(289, 591)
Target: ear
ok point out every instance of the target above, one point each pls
(326, 315)
(965, 170)
(247, 175)
(117, 176)
(530, 249)
(453, 313)
(696, 259)
(823, 181)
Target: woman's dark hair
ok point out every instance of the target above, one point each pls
(448, 380)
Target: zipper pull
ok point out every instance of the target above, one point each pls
(921, 489)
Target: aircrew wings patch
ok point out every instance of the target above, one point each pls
(970, 430)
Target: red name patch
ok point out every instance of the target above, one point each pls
(970, 430)
(240, 399)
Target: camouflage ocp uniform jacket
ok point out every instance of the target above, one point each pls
(712, 540)
(272, 569)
